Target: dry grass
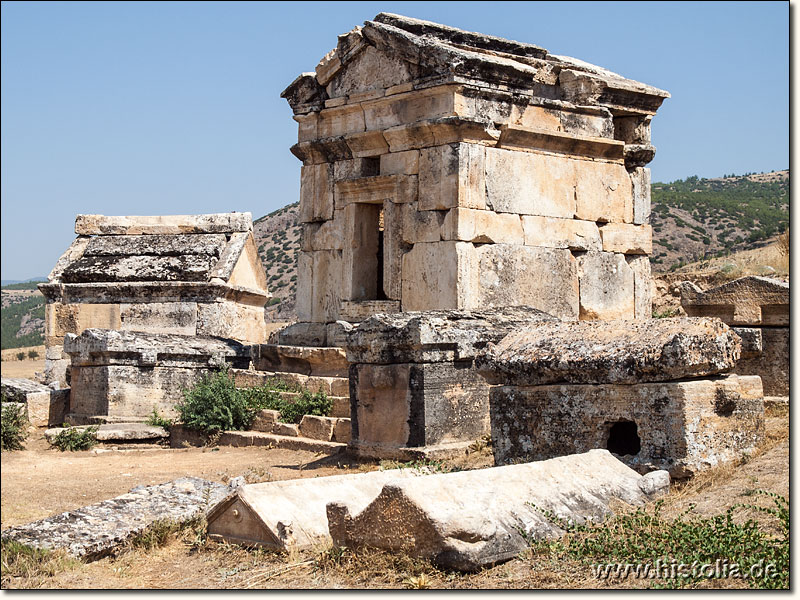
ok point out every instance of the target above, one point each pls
(21, 368)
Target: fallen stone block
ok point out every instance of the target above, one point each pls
(265, 420)
(100, 529)
(473, 519)
(292, 514)
(624, 351)
(317, 428)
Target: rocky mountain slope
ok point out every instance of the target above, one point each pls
(696, 219)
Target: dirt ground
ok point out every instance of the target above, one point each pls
(39, 482)
(21, 368)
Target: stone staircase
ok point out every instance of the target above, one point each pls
(313, 368)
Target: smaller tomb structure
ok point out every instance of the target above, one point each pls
(445, 169)
(757, 308)
(180, 274)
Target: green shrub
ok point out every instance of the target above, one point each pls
(214, 404)
(318, 404)
(20, 356)
(33, 354)
(75, 438)
(156, 420)
(14, 426)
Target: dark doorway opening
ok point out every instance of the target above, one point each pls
(623, 438)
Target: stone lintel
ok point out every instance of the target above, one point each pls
(523, 138)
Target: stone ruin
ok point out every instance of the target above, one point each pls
(474, 262)
(444, 169)
(757, 308)
(190, 275)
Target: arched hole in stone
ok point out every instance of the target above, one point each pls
(623, 438)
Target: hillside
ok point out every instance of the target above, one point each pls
(695, 219)
(22, 316)
(278, 239)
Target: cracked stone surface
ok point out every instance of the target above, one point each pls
(99, 529)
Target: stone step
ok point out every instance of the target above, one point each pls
(304, 360)
(118, 432)
(333, 386)
(181, 437)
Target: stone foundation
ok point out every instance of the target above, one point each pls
(657, 394)
(126, 375)
(414, 391)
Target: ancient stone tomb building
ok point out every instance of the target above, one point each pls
(758, 310)
(444, 169)
(182, 274)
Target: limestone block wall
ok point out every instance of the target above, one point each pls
(423, 188)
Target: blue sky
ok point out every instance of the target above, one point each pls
(174, 108)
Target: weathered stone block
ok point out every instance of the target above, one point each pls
(681, 426)
(327, 362)
(772, 363)
(626, 351)
(452, 176)
(640, 187)
(549, 232)
(530, 184)
(642, 286)
(749, 301)
(265, 420)
(342, 431)
(317, 428)
(326, 285)
(94, 531)
(421, 225)
(474, 519)
(163, 224)
(434, 276)
(510, 275)
(606, 286)
(340, 121)
(159, 317)
(400, 163)
(627, 239)
(435, 336)
(231, 319)
(484, 226)
(42, 405)
(128, 374)
(408, 405)
(286, 429)
(316, 193)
